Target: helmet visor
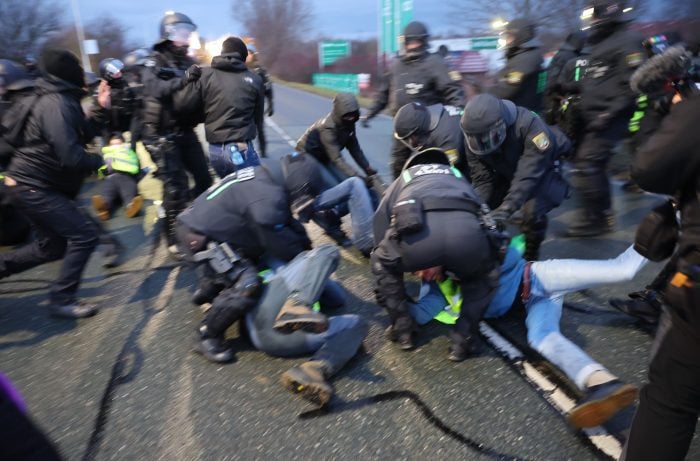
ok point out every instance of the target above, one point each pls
(113, 69)
(180, 33)
(487, 142)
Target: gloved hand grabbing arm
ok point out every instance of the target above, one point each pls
(192, 74)
(501, 215)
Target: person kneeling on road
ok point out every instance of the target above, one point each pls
(233, 230)
(541, 286)
(430, 216)
(313, 199)
(514, 159)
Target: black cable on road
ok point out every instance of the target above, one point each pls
(425, 410)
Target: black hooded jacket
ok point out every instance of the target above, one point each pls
(569, 50)
(424, 79)
(326, 138)
(53, 155)
(230, 97)
(518, 81)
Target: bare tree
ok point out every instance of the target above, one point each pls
(25, 25)
(276, 25)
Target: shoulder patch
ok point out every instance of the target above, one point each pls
(541, 141)
(634, 59)
(514, 77)
(454, 75)
(150, 62)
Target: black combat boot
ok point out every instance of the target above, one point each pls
(212, 347)
(462, 347)
(644, 305)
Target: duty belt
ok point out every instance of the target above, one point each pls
(450, 204)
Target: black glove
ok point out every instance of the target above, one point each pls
(501, 215)
(193, 73)
(369, 171)
(270, 110)
(364, 121)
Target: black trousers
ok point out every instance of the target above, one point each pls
(399, 154)
(62, 231)
(21, 439)
(119, 188)
(669, 406)
(451, 239)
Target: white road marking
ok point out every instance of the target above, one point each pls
(271, 123)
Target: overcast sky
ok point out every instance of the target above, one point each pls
(333, 18)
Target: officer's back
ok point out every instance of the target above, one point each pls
(250, 211)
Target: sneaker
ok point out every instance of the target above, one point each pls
(643, 305)
(601, 403)
(309, 380)
(214, 350)
(74, 310)
(294, 316)
(134, 207)
(101, 207)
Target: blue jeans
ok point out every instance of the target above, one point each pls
(550, 281)
(354, 193)
(305, 279)
(232, 156)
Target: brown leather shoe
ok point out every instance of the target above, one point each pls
(309, 380)
(601, 403)
(101, 207)
(134, 207)
(295, 316)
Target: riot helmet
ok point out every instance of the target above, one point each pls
(111, 71)
(414, 41)
(412, 125)
(176, 28)
(136, 58)
(602, 14)
(485, 123)
(518, 32)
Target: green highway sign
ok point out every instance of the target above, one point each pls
(330, 51)
(394, 16)
(345, 83)
(484, 43)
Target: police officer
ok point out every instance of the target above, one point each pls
(240, 226)
(168, 136)
(231, 99)
(416, 76)
(124, 100)
(607, 104)
(442, 131)
(514, 161)
(45, 175)
(665, 421)
(254, 64)
(522, 79)
(134, 62)
(557, 74)
(430, 217)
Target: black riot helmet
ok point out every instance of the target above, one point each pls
(485, 123)
(111, 70)
(176, 28)
(414, 31)
(412, 125)
(13, 77)
(602, 14)
(518, 32)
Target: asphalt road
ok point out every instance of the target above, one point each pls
(125, 385)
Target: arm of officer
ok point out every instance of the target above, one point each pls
(382, 216)
(157, 87)
(330, 144)
(537, 151)
(451, 90)
(669, 158)
(381, 97)
(358, 155)
(482, 177)
(625, 98)
(62, 132)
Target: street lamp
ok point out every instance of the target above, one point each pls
(81, 36)
(499, 24)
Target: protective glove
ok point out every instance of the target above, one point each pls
(501, 215)
(193, 73)
(270, 110)
(364, 121)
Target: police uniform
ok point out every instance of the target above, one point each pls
(607, 103)
(423, 79)
(446, 135)
(430, 217)
(522, 79)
